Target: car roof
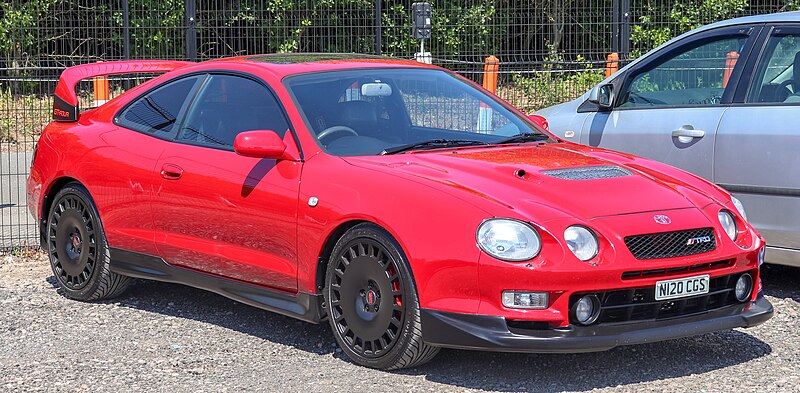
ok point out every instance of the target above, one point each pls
(780, 17)
(793, 16)
(285, 64)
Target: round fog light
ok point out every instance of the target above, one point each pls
(587, 309)
(744, 287)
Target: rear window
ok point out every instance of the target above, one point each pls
(157, 112)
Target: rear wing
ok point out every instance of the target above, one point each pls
(65, 101)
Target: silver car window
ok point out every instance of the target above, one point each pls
(697, 75)
(777, 77)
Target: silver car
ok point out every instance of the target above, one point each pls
(721, 101)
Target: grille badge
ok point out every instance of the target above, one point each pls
(662, 219)
(698, 240)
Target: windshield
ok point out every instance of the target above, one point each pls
(375, 111)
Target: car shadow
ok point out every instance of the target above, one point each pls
(182, 301)
(578, 372)
(472, 369)
(781, 281)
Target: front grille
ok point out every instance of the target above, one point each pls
(639, 304)
(700, 267)
(672, 244)
(588, 173)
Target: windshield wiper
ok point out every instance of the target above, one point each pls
(432, 144)
(523, 137)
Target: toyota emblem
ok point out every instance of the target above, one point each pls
(662, 219)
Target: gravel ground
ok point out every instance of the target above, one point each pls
(165, 337)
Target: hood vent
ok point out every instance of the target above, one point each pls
(588, 173)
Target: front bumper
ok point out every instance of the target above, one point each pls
(491, 333)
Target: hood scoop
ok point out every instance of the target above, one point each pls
(588, 173)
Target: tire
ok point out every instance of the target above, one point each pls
(372, 302)
(76, 245)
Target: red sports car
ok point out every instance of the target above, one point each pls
(402, 203)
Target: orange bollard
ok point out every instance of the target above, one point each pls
(101, 92)
(490, 69)
(612, 64)
(730, 63)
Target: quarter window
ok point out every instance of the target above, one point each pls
(227, 105)
(697, 75)
(777, 78)
(157, 112)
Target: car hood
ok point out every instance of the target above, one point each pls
(569, 106)
(542, 181)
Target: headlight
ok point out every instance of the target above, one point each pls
(582, 242)
(740, 207)
(508, 240)
(728, 223)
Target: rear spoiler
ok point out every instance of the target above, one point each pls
(65, 101)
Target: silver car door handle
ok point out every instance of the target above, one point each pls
(688, 132)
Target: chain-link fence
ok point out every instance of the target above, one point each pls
(550, 51)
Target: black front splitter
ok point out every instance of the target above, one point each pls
(491, 333)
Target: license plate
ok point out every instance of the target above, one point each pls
(682, 287)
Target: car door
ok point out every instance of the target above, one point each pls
(759, 139)
(222, 213)
(668, 106)
(122, 168)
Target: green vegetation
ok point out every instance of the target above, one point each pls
(552, 50)
(658, 21)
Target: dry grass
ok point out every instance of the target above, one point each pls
(22, 118)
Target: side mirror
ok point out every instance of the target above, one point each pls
(259, 144)
(603, 96)
(540, 121)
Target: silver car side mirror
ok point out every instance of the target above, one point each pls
(605, 96)
(602, 96)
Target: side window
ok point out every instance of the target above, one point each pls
(157, 112)
(777, 77)
(697, 75)
(227, 105)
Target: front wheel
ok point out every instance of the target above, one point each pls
(372, 302)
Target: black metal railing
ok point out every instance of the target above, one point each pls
(550, 51)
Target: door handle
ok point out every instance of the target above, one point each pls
(171, 171)
(686, 133)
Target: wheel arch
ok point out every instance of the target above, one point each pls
(47, 201)
(338, 232)
(327, 249)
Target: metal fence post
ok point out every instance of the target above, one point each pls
(378, 27)
(191, 30)
(625, 29)
(615, 17)
(126, 31)
(621, 27)
(126, 39)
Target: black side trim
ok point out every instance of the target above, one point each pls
(779, 191)
(588, 106)
(303, 306)
(64, 112)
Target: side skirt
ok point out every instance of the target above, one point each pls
(303, 306)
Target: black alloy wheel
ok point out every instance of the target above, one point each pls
(72, 242)
(372, 303)
(77, 248)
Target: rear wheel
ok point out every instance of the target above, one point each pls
(372, 302)
(76, 245)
